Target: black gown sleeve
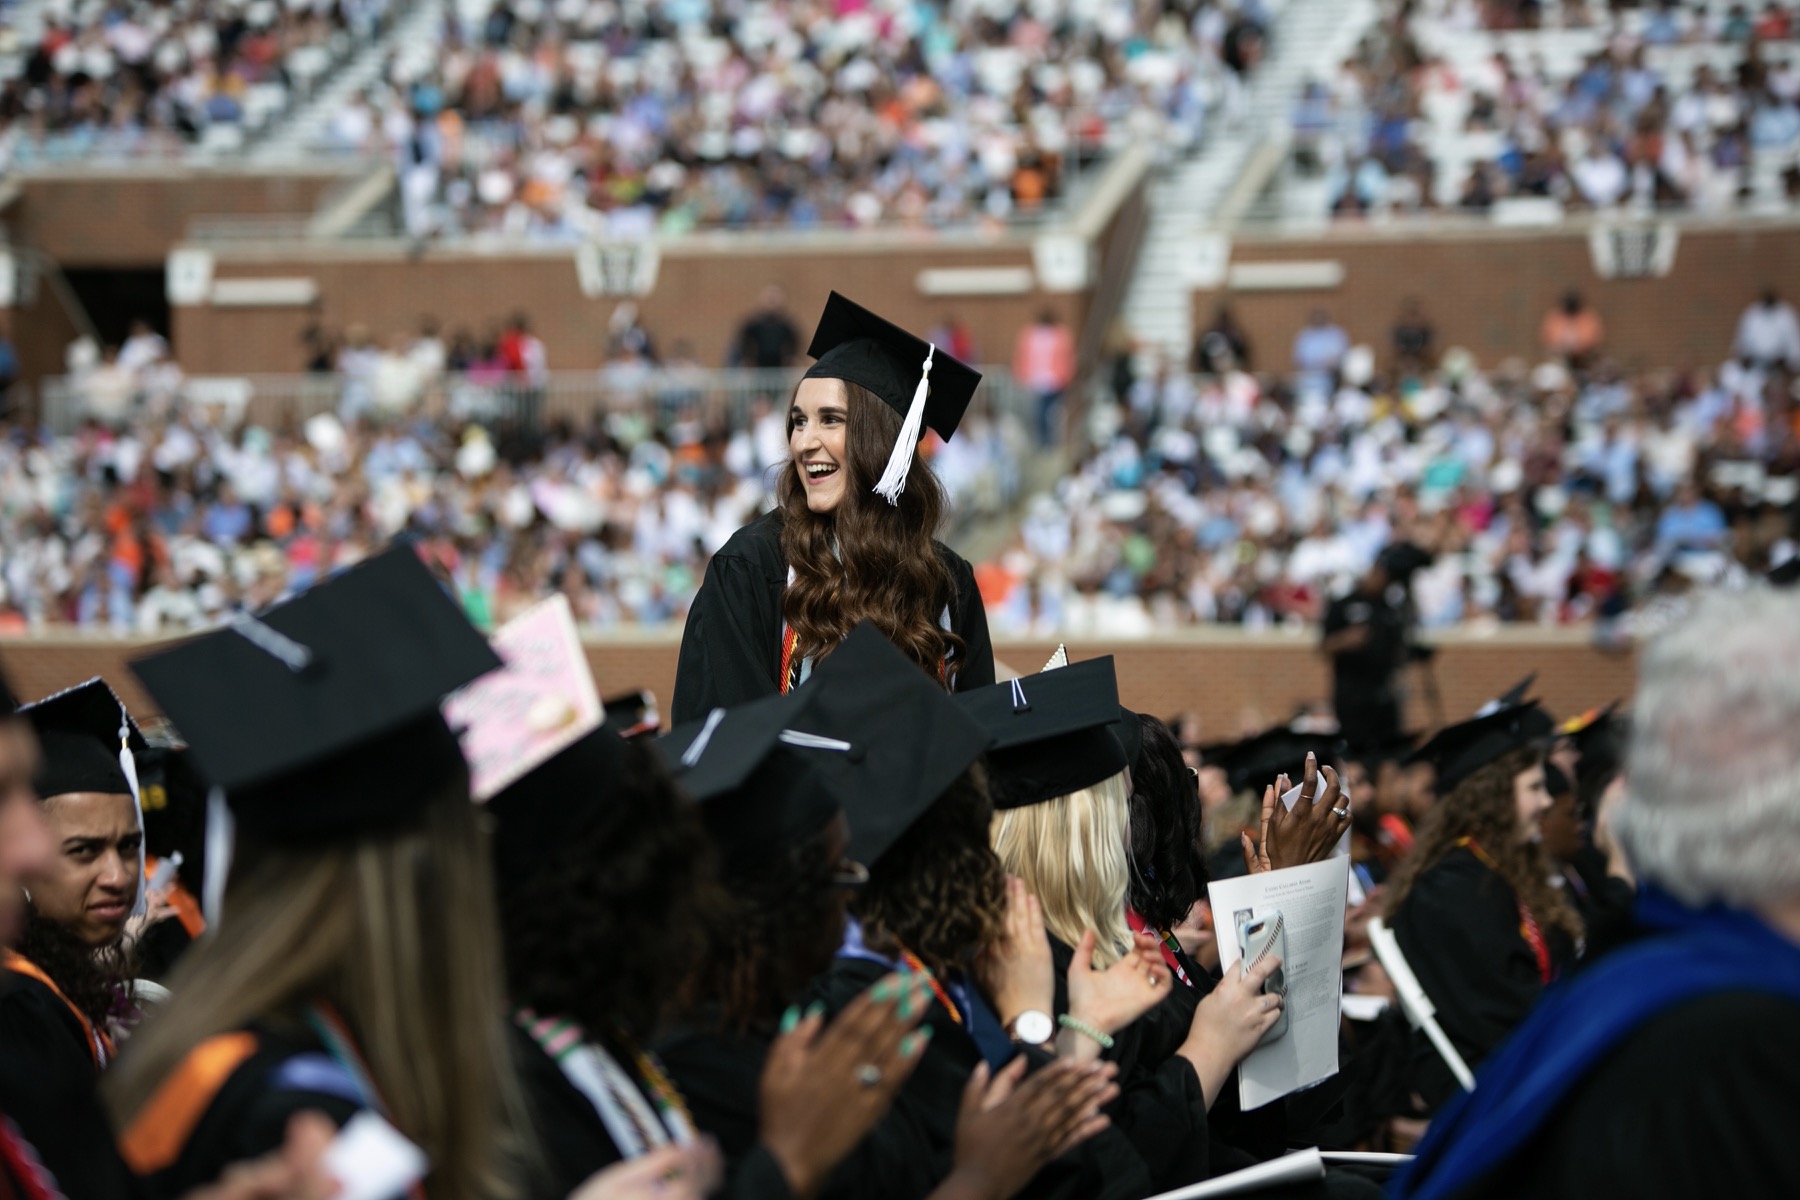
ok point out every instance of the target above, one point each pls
(970, 624)
(1459, 930)
(719, 1078)
(731, 646)
(48, 1088)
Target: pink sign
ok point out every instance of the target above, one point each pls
(542, 700)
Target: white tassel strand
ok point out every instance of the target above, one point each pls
(893, 480)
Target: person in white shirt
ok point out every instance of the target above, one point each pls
(1768, 334)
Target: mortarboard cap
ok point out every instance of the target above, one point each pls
(1372, 752)
(759, 794)
(1054, 733)
(80, 733)
(1511, 697)
(1130, 732)
(1254, 762)
(547, 807)
(1458, 751)
(633, 714)
(320, 719)
(906, 741)
(924, 385)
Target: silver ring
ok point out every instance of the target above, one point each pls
(869, 1075)
(1341, 813)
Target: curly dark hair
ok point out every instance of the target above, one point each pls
(1167, 872)
(606, 930)
(93, 980)
(869, 559)
(1484, 807)
(781, 929)
(939, 891)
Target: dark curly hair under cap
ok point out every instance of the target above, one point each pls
(604, 879)
(939, 891)
(93, 980)
(1167, 874)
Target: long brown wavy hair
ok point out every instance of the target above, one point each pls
(868, 559)
(939, 891)
(1484, 807)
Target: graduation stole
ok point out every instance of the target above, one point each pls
(21, 1170)
(631, 1122)
(792, 665)
(1169, 944)
(99, 1043)
(914, 966)
(1529, 929)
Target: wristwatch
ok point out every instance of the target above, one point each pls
(1031, 1028)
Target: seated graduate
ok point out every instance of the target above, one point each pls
(853, 535)
(1473, 908)
(73, 949)
(356, 965)
(937, 905)
(174, 804)
(773, 810)
(1670, 1067)
(1588, 865)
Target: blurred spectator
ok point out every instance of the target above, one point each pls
(768, 338)
(1044, 363)
(1691, 522)
(1571, 331)
(1222, 345)
(1768, 333)
(1319, 348)
(1415, 340)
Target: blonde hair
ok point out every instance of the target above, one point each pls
(397, 932)
(1074, 854)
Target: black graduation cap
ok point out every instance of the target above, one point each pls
(320, 719)
(759, 794)
(549, 805)
(907, 741)
(1510, 698)
(915, 379)
(633, 714)
(1374, 751)
(1054, 732)
(1598, 735)
(1458, 751)
(80, 732)
(1130, 732)
(1253, 762)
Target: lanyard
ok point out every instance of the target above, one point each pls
(1170, 945)
(1529, 929)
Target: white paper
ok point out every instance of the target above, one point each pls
(371, 1160)
(1291, 797)
(1359, 1006)
(1302, 1166)
(1311, 901)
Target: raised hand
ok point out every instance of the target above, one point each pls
(1007, 1130)
(1016, 971)
(1111, 999)
(824, 1088)
(1308, 832)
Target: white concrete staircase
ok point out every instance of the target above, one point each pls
(1309, 39)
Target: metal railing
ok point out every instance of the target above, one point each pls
(577, 398)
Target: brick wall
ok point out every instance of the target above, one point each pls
(1487, 290)
(702, 295)
(1233, 682)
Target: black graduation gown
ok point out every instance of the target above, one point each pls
(575, 1144)
(48, 1084)
(1605, 903)
(731, 648)
(1459, 930)
(1702, 1101)
(913, 1148)
(287, 1071)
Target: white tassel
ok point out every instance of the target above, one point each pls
(697, 747)
(893, 480)
(811, 741)
(220, 828)
(128, 764)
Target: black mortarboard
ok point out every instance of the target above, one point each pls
(547, 807)
(1130, 732)
(759, 794)
(320, 719)
(1254, 762)
(1372, 752)
(1054, 732)
(907, 741)
(924, 385)
(1458, 751)
(1515, 695)
(80, 732)
(633, 714)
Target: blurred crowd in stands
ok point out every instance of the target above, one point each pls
(1257, 486)
(1472, 106)
(116, 79)
(584, 119)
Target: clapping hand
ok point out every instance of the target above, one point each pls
(1016, 970)
(1306, 833)
(1007, 1130)
(1110, 1000)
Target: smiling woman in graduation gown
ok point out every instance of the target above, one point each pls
(851, 537)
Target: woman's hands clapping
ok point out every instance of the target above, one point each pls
(1007, 1130)
(1306, 833)
(1110, 1000)
(1016, 971)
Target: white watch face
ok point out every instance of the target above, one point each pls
(1033, 1028)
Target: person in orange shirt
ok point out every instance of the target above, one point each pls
(1572, 330)
(1044, 361)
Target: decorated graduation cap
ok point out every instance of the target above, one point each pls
(1255, 761)
(1458, 751)
(319, 719)
(1054, 732)
(909, 374)
(903, 741)
(761, 790)
(87, 742)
